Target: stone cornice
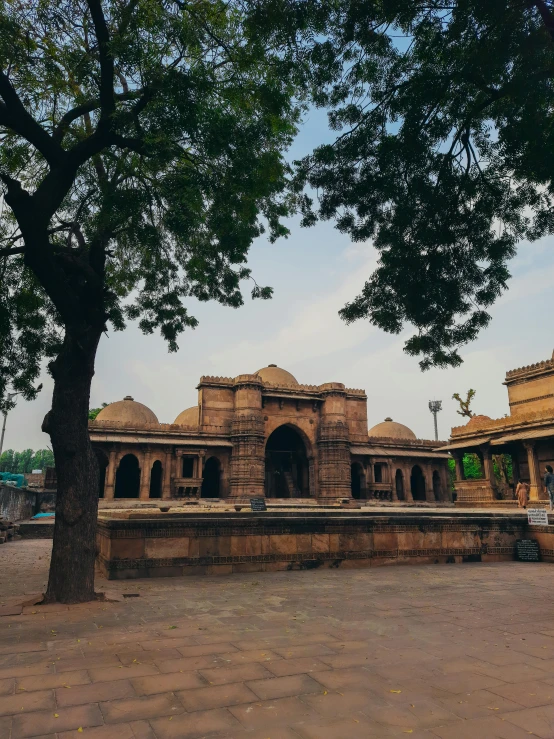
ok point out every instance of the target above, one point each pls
(530, 371)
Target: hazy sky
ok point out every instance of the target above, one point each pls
(314, 272)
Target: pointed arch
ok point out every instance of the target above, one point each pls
(127, 478)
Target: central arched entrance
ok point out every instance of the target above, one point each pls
(417, 483)
(287, 472)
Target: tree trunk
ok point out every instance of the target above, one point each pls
(71, 578)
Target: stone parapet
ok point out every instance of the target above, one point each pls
(174, 545)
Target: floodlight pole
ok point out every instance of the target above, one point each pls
(435, 406)
(5, 414)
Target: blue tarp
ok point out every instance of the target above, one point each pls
(43, 515)
(9, 477)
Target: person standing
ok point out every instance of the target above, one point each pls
(549, 485)
(522, 494)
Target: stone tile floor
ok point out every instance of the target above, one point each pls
(446, 651)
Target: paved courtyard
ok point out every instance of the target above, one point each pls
(445, 651)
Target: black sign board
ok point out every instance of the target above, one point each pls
(527, 550)
(258, 504)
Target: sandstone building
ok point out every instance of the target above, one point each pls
(264, 434)
(526, 434)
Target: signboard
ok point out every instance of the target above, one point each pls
(537, 517)
(527, 550)
(258, 504)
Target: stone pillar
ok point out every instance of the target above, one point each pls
(408, 484)
(333, 444)
(428, 477)
(166, 489)
(145, 476)
(535, 491)
(488, 468)
(515, 467)
(109, 489)
(247, 473)
(459, 462)
(392, 478)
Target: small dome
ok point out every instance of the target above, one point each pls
(392, 430)
(127, 411)
(276, 376)
(477, 421)
(188, 417)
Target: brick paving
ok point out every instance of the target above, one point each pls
(449, 651)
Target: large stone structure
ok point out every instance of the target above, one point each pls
(264, 434)
(527, 435)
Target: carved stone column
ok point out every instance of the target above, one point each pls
(109, 489)
(247, 473)
(166, 489)
(334, 460)
(392, 479)
(408, 484)
(488, 468)
(145, 475)
(535, 488)
(459, 462)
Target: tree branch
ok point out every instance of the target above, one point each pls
(13, 115)
(10, 252)
(107, 98)
(85, 108)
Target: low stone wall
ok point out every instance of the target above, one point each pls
(169, 545)
(16, 504)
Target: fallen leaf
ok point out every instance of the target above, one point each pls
(80, 729)
(56, 715)
(408, 731)
(324, 692)
(395, 691)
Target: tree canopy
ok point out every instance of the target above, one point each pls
(140, 154)
(444, 154)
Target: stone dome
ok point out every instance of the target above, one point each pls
(276, 376)
(127, 411)
(392, 430)
(188, 417)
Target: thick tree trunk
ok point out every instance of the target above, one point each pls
(71, 577)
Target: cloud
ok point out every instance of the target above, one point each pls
(315, 330)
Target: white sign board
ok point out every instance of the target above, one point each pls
(537, 516)
(36, 472)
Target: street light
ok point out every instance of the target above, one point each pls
(435, 406)
(8, 398)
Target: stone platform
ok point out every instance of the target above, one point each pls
(154, 544)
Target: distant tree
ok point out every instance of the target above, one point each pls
(42, 459)
(7, 463)
(464, 404)
(93, 412)
(25, 461)
(141, 153)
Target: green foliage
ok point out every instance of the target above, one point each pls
(472, 467)
(26, 461)
(502, 466)
(141, 153)
(93, 412)
(444, 155)
(464, 404)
